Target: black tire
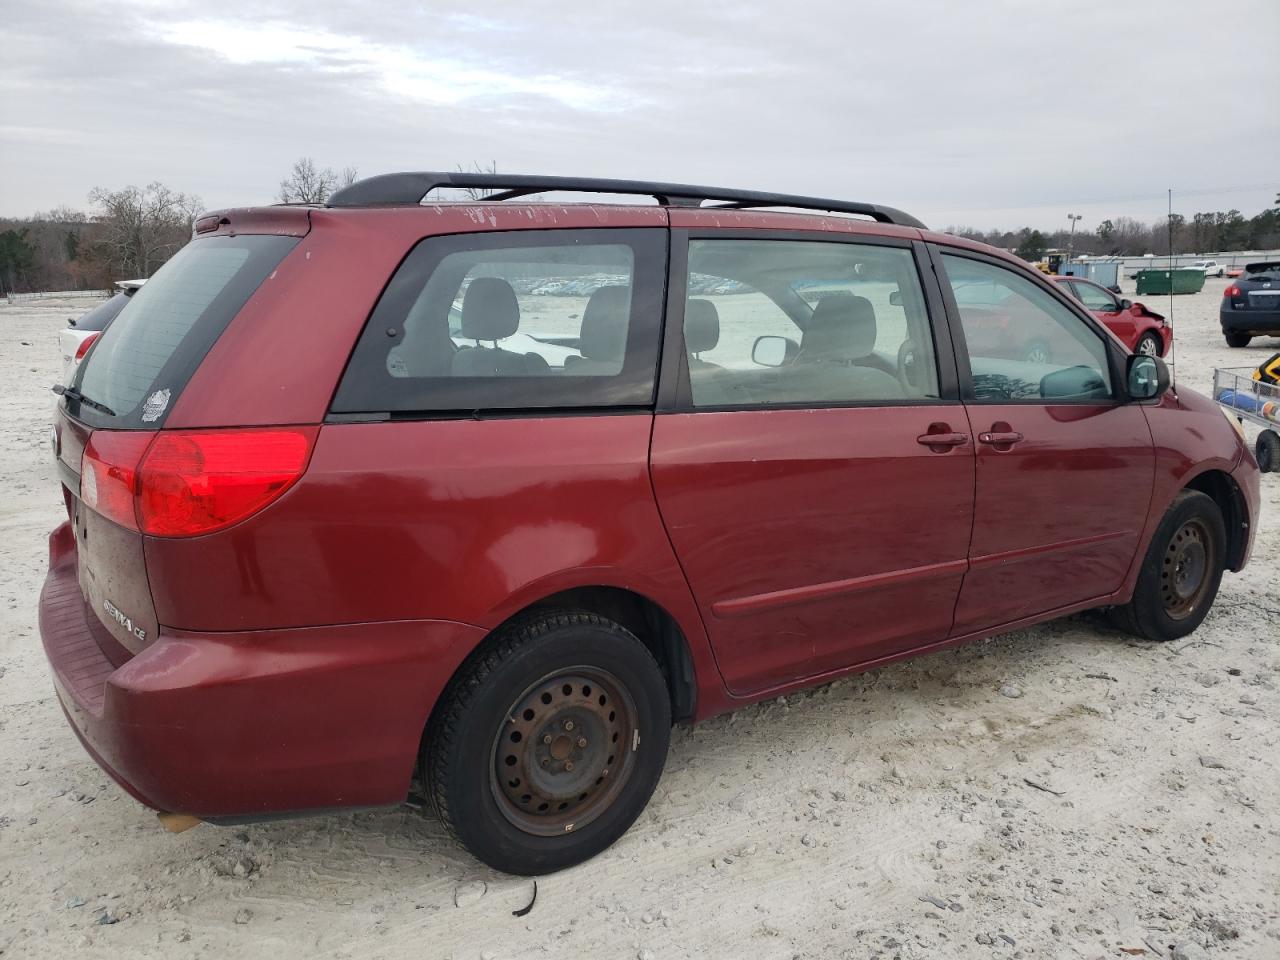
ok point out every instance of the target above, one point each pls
(1148, 344)
(1266, 451)
(1220, 271)
(1170, 600)
(486, 720)
(1237, 339)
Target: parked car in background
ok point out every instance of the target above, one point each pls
(75, 340)
(1141, 330)
(1211, 268)
(1234, 272)
(1251, 305)
(309, 579)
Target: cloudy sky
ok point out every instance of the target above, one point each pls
(981, 112)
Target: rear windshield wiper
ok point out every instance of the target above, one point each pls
(71, 393)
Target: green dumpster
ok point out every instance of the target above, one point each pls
(1170, 281)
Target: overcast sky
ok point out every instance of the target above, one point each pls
(974, 112)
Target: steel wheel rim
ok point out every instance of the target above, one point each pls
(1038, 354)
(564, 751)
(1147, 346)
(1185, 572)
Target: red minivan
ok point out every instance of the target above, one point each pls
(477, 498)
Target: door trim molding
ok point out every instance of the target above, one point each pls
(745, 606)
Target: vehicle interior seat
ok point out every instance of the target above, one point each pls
(491, 312)
(602, 340)
(838, 348)
(701, 332)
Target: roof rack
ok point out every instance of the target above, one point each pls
(400, 189)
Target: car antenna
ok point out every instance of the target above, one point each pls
(1173, 344)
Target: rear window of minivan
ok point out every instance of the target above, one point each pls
(137, 368)
(515, 320)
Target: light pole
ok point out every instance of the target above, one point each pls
(1071, 239)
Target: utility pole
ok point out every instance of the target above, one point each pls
(1071, 239)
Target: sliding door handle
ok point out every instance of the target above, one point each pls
(942, 439)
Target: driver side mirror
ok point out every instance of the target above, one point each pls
(772, 351)
(895, 298)
(1147, 377)
(1126, 304)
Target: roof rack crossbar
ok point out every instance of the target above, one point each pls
(409, 189)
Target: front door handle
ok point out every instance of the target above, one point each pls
(1000, 438)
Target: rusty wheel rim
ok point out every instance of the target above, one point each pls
(1185, 571)
(564, 752)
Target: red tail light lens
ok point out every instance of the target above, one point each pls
(85, 344)
(195, 482)
(109, 474)
(190, 482)
(1231, 291)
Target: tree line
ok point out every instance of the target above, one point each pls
(129, 232)
(1207, 232)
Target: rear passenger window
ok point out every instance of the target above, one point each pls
(563, 318)
(806, 323)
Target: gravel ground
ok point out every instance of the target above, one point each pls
(1061, 792)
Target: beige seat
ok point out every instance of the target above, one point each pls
(490, 312)
(603, 338)
(838, 340)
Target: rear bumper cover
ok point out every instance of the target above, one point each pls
(1249, 321)
(238, 725)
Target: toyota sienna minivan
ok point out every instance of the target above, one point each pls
(483, 496)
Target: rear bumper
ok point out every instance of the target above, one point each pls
(242, 725)
(1258, 322)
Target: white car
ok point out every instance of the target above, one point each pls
(77, 337)
(1211, 268)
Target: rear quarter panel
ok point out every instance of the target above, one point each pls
(462, 520)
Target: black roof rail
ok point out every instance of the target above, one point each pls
(400, 189)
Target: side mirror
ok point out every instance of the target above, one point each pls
(895, 298)
(773, 351)
(1126, 304)
(1148, 377)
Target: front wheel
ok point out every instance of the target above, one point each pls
(1237, 339)
(549, 743)
(1148, 345)
(1181, 572)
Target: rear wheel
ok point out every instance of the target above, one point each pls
(1267, 451)
(548, 745)
(1181, 572)
(1148, 345)
(1237, 339)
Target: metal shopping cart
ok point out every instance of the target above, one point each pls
(1248, 399)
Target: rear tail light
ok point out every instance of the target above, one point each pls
(85, 344)
(1231, 291)
(184, 483)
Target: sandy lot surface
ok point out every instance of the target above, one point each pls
(1061, 792)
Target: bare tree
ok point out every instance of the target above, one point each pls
(478, 193)
(135, 231)
(308, 184)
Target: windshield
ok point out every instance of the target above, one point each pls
(145, 357)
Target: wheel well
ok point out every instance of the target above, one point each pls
(656, 628)
(1226, 495)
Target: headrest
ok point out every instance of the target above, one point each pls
(701, 326)
(843, 327)
(604, 324)
(489, 310)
